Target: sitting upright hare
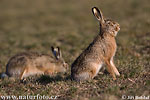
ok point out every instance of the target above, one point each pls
(31, 63)
(100, 51)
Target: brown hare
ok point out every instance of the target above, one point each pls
(100, 51)
(31, 63)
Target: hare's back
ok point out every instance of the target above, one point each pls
(17, 63)
(25, 58)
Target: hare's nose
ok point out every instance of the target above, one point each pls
(66, 65)
(118, 28)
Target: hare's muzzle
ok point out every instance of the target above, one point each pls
(66, 65)
(118, 27)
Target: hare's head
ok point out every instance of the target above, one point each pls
(60, 62)
(106, 25)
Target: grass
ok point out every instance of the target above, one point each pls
(36, 25)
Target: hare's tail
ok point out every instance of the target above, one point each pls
(3, 75)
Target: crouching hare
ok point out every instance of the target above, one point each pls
(31, 63)
(100, 51)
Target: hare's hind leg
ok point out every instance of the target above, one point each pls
(110, 69)
(23, 73)
(114, 67)
(89, 73)
(82, 76)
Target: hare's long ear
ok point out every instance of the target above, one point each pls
(98, 14)
(59, 52)
(55, 52)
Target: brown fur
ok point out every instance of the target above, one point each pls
(100, 51)
(31, 63)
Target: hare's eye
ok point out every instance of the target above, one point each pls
(116, 29)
